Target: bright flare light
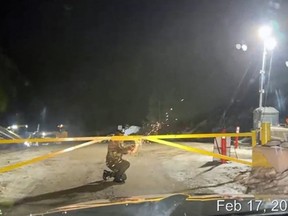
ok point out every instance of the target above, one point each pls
(27, 144)
(286, 63)
(265, 32)
(270, 43)
(244, 47)
(238, 46)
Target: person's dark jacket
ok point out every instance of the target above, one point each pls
(116, 150)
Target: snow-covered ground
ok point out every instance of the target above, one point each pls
(156, 169)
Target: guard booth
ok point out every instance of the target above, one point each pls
(265, 114)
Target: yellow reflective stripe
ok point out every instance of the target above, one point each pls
(143, 200)
(199, 151)
(109, 203)
(44, 157)
(217, 197)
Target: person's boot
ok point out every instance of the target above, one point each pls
(120, 181)
(124, 177)
(106, 174)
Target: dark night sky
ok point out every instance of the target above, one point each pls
(101, 63)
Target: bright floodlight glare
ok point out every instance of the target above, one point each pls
(43, 134)
(244, 47)
(238, 46)
(14, 127)
(182, 99)
(265, 32)
(171, 108)
(270, 43)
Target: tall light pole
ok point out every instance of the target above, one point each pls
(270, 43)
(264, 114)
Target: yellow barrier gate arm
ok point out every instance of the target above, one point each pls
(44, 157)
(130, 138)
(48, 140)
(199, 151)
(152, 138)
(204, 135)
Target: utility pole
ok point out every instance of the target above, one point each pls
(262, 77)
(159, 111)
